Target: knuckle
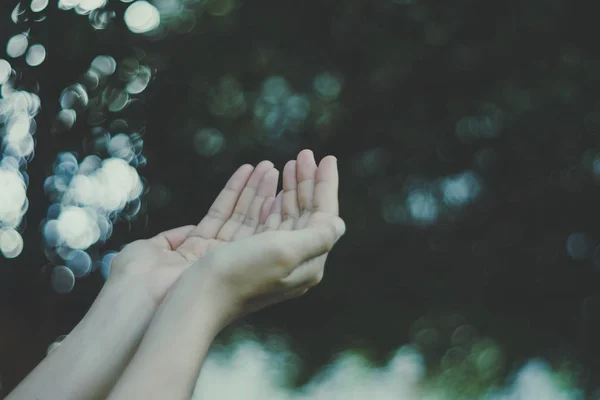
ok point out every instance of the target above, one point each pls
(238, 216)
(216, 213)
(284, 256)
(289, 217)
(250, 220)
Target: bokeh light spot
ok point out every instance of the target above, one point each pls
(220, 8)
(461, 189)
(65, 120)
(79, 262)
(35, 55)
(209, 141)
(275, 90)
(106, 263)
(38, 5)
(68, 4)
(328, 85)
(5, 71)
(87, 6)
(62, 279)
(17, 45)
(142, 17)
(422, 206)
(53, 346)
(13, 196)
(120, 146)
(104, 65)
(77, 227)
(141, 80)
(74, 97)
(579, 246)
(11, 242)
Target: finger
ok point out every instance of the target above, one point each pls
(223, 206)
(172, 239)
(277, 207)
(288, 249)
(244, 201)
(266, 189)
(268, 208)
(274, 219)
(306, 168)
(265, 210)
(291, 209)
(312, 242)
(325, 197)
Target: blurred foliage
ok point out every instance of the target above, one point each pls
(467, 135)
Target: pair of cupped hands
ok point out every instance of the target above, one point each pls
(255, 247)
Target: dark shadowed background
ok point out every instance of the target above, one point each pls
(467, 134)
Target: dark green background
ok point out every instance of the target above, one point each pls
(502, 262)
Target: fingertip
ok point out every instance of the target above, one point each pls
(266, 163)
(273, 173)
(245, 168)
(270, 179)
(268, 184)
(289, 175)
(290, 164)
(339, 226)
(263, 168)
(308, 153)
(329, 159)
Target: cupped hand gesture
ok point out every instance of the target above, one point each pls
(237, 212)
(287, 255)
(247, 206)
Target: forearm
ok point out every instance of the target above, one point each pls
(168, 361)
(90, 360)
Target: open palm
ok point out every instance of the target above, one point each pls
(246, 206)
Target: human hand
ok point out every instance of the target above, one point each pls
(288, 256)
(274, 259)
(240, 210)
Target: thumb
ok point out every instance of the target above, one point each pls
(312, 241)
(285, 248)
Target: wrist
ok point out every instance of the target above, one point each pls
(110, 332)
(120, 315)
(92, 357)
(129, 290)
(151, 286)
(198, 292)
(168, 360)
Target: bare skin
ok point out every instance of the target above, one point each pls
(92, 358)
(283, 261)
